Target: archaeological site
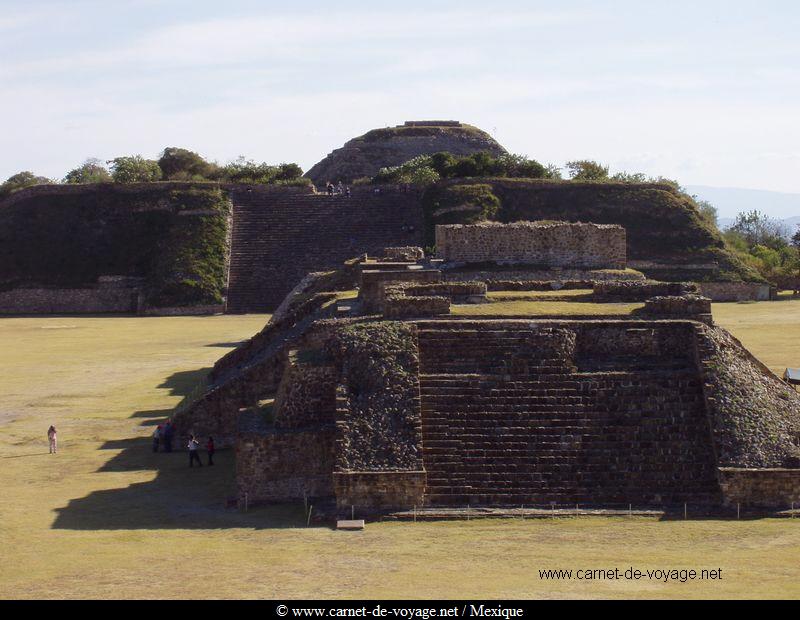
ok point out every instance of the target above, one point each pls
(386, 382)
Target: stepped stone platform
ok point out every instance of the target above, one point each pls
(497, 415)
(365, 155)
(394, 406)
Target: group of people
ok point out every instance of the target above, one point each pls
(337, 189)
(162, 436)
(194, 446)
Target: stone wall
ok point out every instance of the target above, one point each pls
(307, 393)
(556, 244)
(538, 285)
(96, 300)
(640, 290)
(405, 300)
(497, 278)
(400, 306)
(763, 488)
(406, 254)
(735, 291)
(373, 282)
(377, 410)
(685, 306)
(459, 292)
(372, 491)
(284, 466)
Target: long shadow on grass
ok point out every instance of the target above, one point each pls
(177, 497)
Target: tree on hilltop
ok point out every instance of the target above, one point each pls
(22, 180)
(707, 211)
(587, 170)
(243, 170)
(134, 169)
(179, 164)
(91, 171)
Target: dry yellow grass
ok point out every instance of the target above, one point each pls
(770, 330)
(108, 518)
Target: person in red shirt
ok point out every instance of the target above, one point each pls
(210, 449)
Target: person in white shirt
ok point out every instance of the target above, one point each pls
(193, 456)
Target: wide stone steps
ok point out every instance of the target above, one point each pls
(505, 423)
(279, 236)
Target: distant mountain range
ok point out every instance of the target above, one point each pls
(731, 201)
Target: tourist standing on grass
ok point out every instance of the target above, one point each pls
(167, 436)
(193, 456)
(52, 437)
(210, 449)
(157, 437)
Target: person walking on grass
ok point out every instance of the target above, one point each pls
(52, 437)
(193, 456)
(210, 449)
(157, 437)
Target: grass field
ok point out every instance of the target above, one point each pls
(108, 518)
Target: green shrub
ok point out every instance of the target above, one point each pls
(247, 171)
(587, 170)
(427, 169)
(134, 169)
(91, 171)
(179, 164)
(21, 180)
(458, 204)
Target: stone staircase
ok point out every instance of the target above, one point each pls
(507, 421)
(281, 234)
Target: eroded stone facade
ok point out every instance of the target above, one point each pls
(640, 290)
(735, 291)
(548, 244)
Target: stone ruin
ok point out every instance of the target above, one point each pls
(545, 244)
(387, 403)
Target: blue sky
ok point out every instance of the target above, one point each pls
(706, 92)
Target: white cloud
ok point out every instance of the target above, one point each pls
(558, 85)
